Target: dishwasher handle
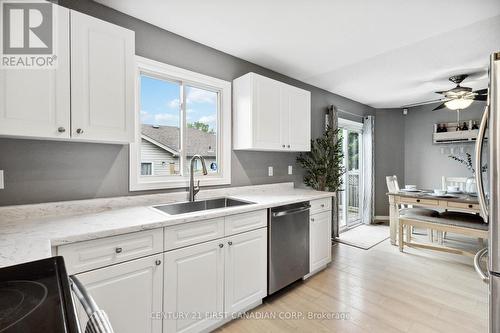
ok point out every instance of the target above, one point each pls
(291, 211)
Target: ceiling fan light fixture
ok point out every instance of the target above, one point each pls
(458, 103)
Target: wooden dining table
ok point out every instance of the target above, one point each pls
(461, 202)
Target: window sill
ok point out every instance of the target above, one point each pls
(180, 183)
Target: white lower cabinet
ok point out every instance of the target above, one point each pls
(194, 287)
(245, 270)
(205, 281)
(129, 293)
(320, 241)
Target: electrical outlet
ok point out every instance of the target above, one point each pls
(290, 170)
(270, 171)
(2, 184)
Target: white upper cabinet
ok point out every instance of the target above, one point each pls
(299, 119)
(270, 115)
(102, 80)
(36, 102)
(89, 96)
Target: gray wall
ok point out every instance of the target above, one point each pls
(426, 163)
(42, 171)
(389, 153)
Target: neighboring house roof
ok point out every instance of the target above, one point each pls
(198, 142)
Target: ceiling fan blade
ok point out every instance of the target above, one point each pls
(439, 107)
(480, 98)
(441, 92)
(481, 91)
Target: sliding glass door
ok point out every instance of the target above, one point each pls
(350, 197)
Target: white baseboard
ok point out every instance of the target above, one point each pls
(381, 218)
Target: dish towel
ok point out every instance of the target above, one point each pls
(98, 323)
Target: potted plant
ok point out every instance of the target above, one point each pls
(323, 164)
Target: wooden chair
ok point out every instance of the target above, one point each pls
(454, 222)
(392, 184)
(452, 181)
(393, 187)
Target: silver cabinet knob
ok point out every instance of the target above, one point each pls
(221, 245)
(230, 243)
(312, 219)
(288, 146)
(61, 130)
(118, 250)
(283, 146)
(158, 262)
(322, 205)
(79, 131)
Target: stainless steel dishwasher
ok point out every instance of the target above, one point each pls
(288, 241)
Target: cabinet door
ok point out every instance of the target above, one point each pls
(245, 269)
(194, 287)
(266, 114)
(130, 293)
(285, 105)
(299, 120)
(320, 243)
(102, 80)
(36, 102)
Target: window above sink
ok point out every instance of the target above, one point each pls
(179, 113)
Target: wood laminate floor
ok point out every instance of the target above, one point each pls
(380, 290)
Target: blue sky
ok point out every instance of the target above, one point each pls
(160, 103)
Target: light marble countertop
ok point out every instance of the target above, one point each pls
(29, 232)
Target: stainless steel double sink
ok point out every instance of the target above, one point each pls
(195, 206)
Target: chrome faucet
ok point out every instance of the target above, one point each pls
(192, 190)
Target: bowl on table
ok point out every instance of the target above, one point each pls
(453, 189)
(411, 187)
(439, 192)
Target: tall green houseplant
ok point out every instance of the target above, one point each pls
(323, 164)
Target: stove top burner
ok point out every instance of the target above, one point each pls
(35, 297)
(18, 299)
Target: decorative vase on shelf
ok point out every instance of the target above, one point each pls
(470, 185)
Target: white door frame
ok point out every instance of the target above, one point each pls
(351, 126)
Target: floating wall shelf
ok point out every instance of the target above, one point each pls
(454, 136)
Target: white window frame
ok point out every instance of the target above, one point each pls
(172, 73)
(152, 168)
(352, 126)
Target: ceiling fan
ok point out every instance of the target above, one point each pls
(459, 98)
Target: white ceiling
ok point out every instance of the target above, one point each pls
(385, 53)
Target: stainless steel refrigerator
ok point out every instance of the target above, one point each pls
(488, 144)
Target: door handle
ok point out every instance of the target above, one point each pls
(477, 265)
(291, 211)
(479, 164)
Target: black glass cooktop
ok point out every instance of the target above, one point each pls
(35, 297)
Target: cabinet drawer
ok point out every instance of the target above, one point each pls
(193, 233)
(236, 224)
(463, 205)
(320, 205)
(418, 201)
(88, 255)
